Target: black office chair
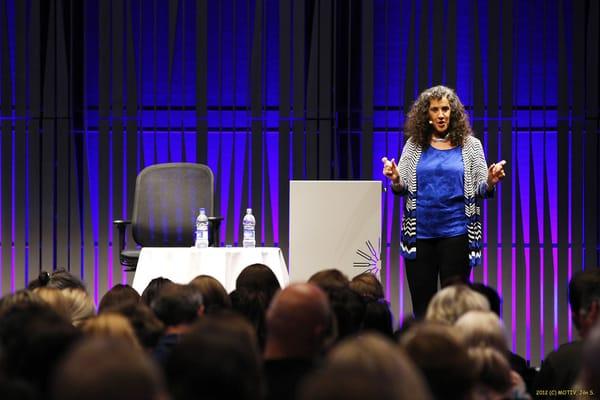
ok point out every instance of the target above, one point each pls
(165, 205)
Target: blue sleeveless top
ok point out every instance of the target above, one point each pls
(440, 194)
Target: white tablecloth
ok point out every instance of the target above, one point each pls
(181, 265)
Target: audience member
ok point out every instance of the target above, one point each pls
(148, 328)
(80, 305)
(214, 295)
(111, 325)
(450, 303)
(437, 351)
(490, 294)
(178, 307)
(349, 310)
(329, 279)
(493, 374)
(59, 279)
(33, 337)
(153, 289)
(55, 299)
(258, 278)
(214, 361)
(378, 318)
(517, 363)
(484, 330)
(561, 367)
(108, 368)
(368, 286)
(366, 367)
(22, 296)
(73, 303)
(298, 321)
(252, 305)
(255, 287)
(116, 296)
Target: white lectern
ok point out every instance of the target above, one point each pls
(334, 224)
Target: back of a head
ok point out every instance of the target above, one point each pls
(349, 310)
(252, 305)
(482, 328)
(111, 325)
(584, 289)
(80, 305)
(490, 294)
(298, 319)
(178, 304)
(33, 337)
(148, 328)
(367, 285)
(59, 279)
(92, 372)
(453, 301)
(584, 292)
(153, 289)
(369, 366)
(55, 298)
(116, 296)
(329, 279)
(259, 278)
(23, 296)
(492, 371)
(214, 295)
(378, 318)
(213, 361)
(442, 358)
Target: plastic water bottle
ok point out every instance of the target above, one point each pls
(249, 223)
(202, 229)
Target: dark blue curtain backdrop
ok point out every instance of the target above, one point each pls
(265, 91)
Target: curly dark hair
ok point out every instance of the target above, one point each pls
(417, 124)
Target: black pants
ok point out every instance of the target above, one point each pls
(447, 258)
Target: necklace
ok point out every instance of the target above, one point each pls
(443, 139)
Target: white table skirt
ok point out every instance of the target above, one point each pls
(182, 264)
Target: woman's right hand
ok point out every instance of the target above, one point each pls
(390, 169)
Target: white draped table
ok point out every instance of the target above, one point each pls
(182, 264)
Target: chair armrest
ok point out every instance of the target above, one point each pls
(121, 225)
(214, 224)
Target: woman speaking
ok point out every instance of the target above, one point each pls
(442, 172)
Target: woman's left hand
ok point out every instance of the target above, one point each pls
(495, 174)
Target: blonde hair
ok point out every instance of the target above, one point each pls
(375, 355)
(453, 301)
(111, 325)
(72, 303)
(482, 328)
(492, 370)
(55, 299)
(81, 305)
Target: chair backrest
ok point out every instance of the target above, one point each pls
(166, 202)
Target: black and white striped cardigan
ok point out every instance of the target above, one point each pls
(475, 186)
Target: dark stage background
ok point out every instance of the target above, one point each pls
(266, 91)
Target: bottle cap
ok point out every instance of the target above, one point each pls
(248, 211)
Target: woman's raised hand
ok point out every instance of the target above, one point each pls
(390, 169)
(496, 173)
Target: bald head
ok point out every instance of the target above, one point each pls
(297, 320)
